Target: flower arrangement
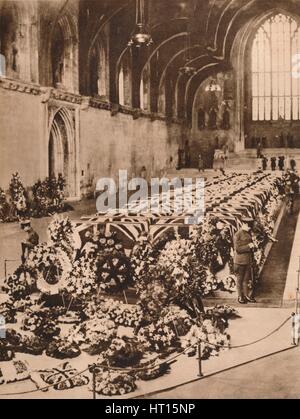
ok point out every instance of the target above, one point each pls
(48, 196)
(94, 336)
(62, 348)
(8, 311)
(113, 270)
(177, 319)
(212, 339)
(18, 196)
(5, 208)
(153, 298)
(157, 337)
(81, 280)
(40, 323)
(63, 377)
(111, 383)
(33, 345)
(121, 314)
(52, 265)
(20, 284)
(122, 353)
(154, 372)
(61, 232)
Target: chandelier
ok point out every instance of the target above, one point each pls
(187, 69)
(141, 35)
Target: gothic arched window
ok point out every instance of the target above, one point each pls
(275, 85)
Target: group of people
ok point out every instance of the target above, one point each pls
(279, 162)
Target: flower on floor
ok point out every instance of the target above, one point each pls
(157, 337)
(123, 353)
(111, 383)
(212, 339)
(21, 283)
(177, 319)
(39, 322)
(94, 336)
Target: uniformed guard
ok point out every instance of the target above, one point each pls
(31, 241)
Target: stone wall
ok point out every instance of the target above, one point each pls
(22, 128)
(103, 144)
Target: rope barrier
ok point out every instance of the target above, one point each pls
(250, 343)
(148, 367)
(46, 387)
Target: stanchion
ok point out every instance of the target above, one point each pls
(5, 266)
(200, 359)
(94, 383)
(296, 315)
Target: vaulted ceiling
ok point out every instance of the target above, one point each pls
(213, 26)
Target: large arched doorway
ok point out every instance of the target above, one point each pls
(62, 150)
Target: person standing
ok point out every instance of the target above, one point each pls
(200, 163)
(259, 150)
(31, 242)
(281, 162)
(264, 163)
(273, 163)
(243, 259)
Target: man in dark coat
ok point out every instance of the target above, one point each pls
(243, 246)
(32, 239)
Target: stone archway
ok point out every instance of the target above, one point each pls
(62, 149)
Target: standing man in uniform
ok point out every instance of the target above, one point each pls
(31, 241)
(243, 246)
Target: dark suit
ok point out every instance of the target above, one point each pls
(242, 261)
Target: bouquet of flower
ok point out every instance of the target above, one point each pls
(40, 323)
(225, 311)
(62, 348)
(177, 319)
(5, 355)
(41, 198)
(157, 337)
(154, 372)
(20, 284)
(61, 233)
(127, 315)
(142, 259)
(8, 311)
(52, 265)
(18, 195)
(122, 353)
(81, 281)
(212, 339)
(113, 271)
(33, 345)
(153, 298)
(12, 338)
(228, 283)
(5, 208)
(94, 336)
(210, 285)
(111, 383)
(48, 196)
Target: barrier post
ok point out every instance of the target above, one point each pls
(200, 359)
(94, 383)
(5, 270)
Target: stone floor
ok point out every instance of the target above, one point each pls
(242, 330)
(274, 377)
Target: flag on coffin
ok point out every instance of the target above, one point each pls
(172, 225)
